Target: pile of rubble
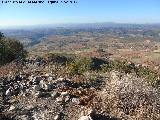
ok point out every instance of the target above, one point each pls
(31, 96)
(38, 90)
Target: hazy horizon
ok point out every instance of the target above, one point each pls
(71, 24)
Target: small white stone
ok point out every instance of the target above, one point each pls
(24, 117)
(12, 108)
(76, 100)
(60, 79)
(30, 107)
(67, 98)
(47, 74)
(42, 84)
(50, 78)
(64, 94)
(8, 92)
(85, 118)
(56, 117)
(59, 99)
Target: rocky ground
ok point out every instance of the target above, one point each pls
(34, 93)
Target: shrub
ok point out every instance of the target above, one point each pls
(60, 58)
(149, 74)
(81, 65)
(108, 67)
(97, 63)
(10, 49)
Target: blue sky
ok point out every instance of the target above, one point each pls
(85, 11)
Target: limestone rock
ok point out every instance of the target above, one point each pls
(59, 99)
(12, 108)
(67, 98)
(24, 117)
(57, 117)
(63, 94)
(85, 118)
(8, 92)
(76, 100)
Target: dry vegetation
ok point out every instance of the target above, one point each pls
(130, 98)
(113, 88)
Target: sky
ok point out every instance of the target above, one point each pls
(84, 11)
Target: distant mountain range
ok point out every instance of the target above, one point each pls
(83, 25)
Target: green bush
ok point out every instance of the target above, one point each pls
(59, 58)
(108, 67)
(150, 75)
(10, 49)
(80, 65)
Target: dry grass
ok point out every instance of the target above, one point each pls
(131, 98)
